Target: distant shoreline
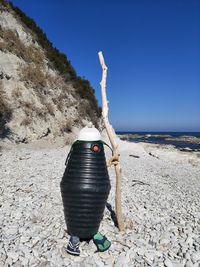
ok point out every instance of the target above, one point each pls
(174, 133)
(181, 140)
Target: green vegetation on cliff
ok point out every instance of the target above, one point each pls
(59, 61)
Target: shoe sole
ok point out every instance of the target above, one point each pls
(73, 253)
(99, 250)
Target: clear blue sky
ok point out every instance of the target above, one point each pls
(152, 49)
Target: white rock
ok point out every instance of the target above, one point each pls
(120, 261)
(189, 263)
(25, 239)
(140, 251)
(66, 261)
(105, 255)
(130, 254)
(149, 256)
(13, 255)
(158, 253)
(24, 261)
(189, 241)
(195, 256)
(98, 261)
(168, 263)
(164, 241)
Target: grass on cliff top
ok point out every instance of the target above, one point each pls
(12, 43)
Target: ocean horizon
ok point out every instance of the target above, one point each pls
(174, 133)
(180, 140)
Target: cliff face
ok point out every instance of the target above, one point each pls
(40, 92)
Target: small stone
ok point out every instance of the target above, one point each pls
(13, 255)
(104, 255)
(178, 265)
(195, 257)
(66, 261)
(189, 241)
(183, 248)
(17, 264)
(140, 251)
(98, 262)
(189, 264)
(149, 256)
(158, 253)
(164, 241)
(34, 219)
(8, 261)
(168, 263)
(25, 239)
(130, 254)
(35, 241)
(56, 225)
(186, 256)
(43, 264)
(139, 259)
(12, 230)
(24, 261)
(35, 252)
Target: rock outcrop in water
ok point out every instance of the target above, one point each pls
(40, 92)
(182, 142)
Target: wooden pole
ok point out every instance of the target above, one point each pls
(112, 137)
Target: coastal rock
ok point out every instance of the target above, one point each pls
(196, 257)
(168, 263)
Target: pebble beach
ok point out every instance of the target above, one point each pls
(161, 209)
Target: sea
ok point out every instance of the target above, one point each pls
(181, 140)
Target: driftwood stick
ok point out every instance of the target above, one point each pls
(112, 137)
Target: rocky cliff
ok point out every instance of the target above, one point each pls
(40, 92)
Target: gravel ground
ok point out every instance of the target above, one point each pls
(161, 206)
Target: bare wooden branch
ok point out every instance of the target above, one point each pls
(112, 137)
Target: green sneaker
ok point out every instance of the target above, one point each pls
(101, 242)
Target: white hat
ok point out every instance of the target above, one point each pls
(89, 134)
